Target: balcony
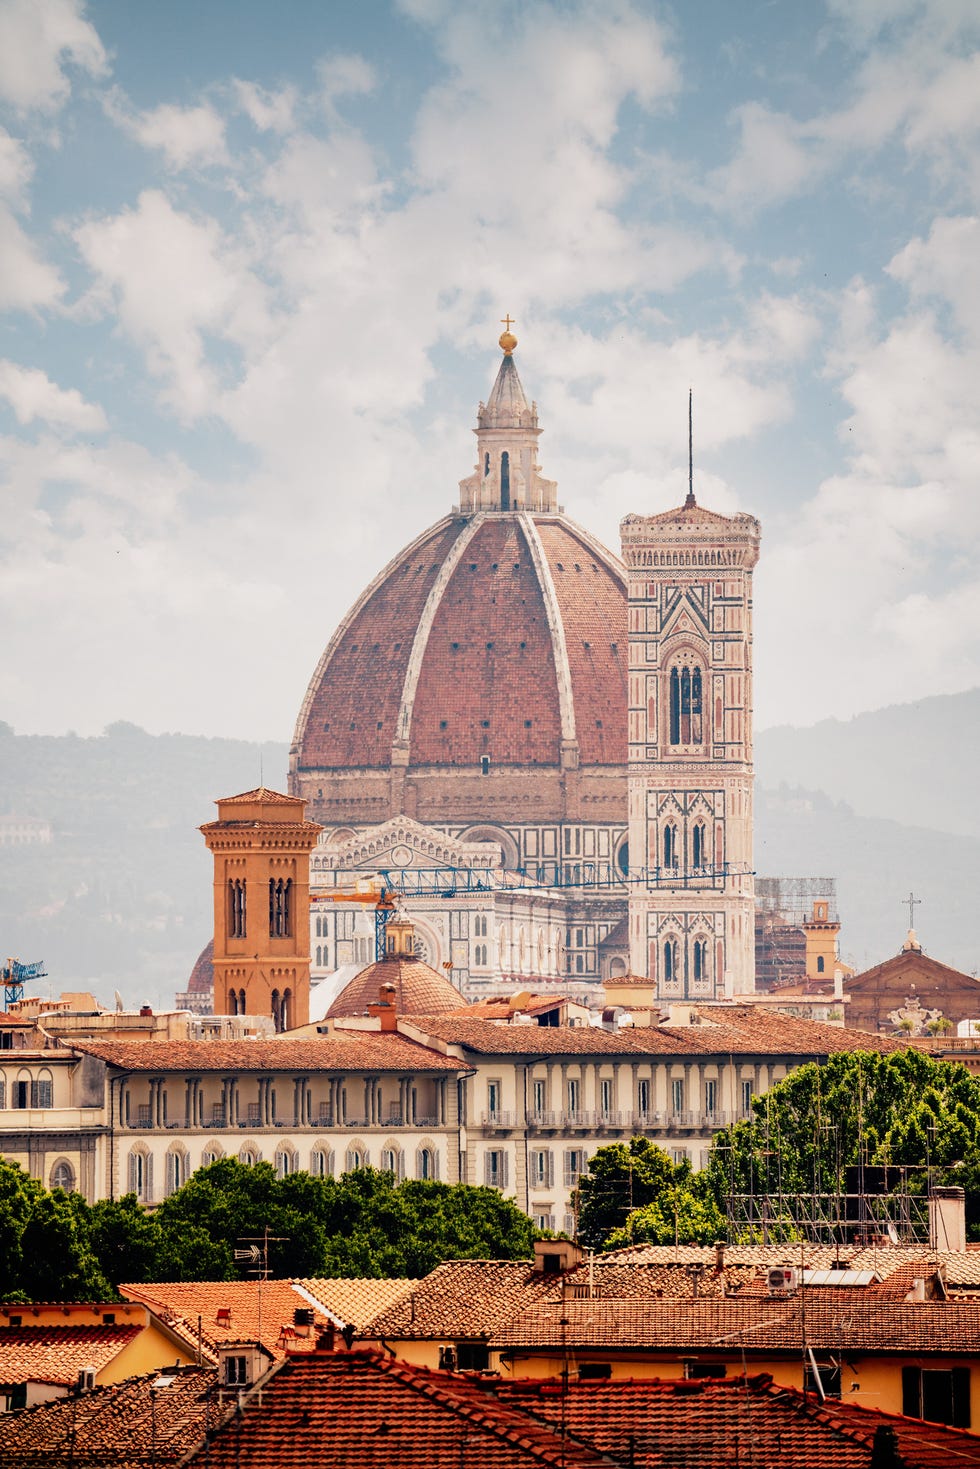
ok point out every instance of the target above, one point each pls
(498, 1121)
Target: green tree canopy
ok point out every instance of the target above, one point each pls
(621, 1178)
(45, 1248)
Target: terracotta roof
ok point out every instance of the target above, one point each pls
(926, 968)
(351, 1051)
(734, 1030)
(258, 1310)
(353, 1302)
(56, 1354)
(748, 1325)
(120, 1425)
(363, 1410)
(503, 1007)
(463, 1298)
(883, 1262)
(717, 1424)
(419, 989)
(609, 1279)
(263, 794)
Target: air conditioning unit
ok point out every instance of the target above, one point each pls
(86, 1379)
(781, 1279)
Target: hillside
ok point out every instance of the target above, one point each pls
(913, 763)
(121, 898)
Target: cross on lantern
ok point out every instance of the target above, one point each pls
(913, 903)
(508, 321)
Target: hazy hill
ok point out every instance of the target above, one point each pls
(122, 896)
(913, 763)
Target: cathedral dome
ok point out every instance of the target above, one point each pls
(495, 645)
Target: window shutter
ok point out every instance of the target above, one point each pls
(148, 1176)
(911, 1397)
(961, 1397)
(490, 1174)
(131, 1175)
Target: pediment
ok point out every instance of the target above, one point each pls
(402, 843)
(687, 616)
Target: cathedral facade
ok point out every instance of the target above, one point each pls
(491, 727)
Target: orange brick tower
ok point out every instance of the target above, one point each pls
(261, 843)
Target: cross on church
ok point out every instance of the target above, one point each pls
(508, 321)
(913, 903)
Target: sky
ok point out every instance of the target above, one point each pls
(253, 263)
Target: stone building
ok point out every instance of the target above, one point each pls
(471, 713)
(912, 993)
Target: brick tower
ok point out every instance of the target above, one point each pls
(261, 843)
(690, 750)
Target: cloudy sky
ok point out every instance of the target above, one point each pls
(252, 263)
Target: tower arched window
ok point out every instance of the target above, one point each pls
(700, 958)
(670, 845)
(820, 964)
(686, 700)
(670, 960)
(698, 858)
(280, 907)
(505, 481)
(236, 908)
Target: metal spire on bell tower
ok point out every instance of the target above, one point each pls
(690, 503)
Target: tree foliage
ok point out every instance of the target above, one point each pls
(54, 1246)
(903, 1111)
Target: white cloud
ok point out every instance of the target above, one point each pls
(187, 136)
(945, 266)
(268, 110)
(344, 75)
(26, 279)
(32, 395)
(776, 157)
(38, 40)
(16, 168)
(173, 280)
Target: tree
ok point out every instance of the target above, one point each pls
(45, 1251)
(686, 1212)
(621, 1178)
(903, 1109)
(126, 1241)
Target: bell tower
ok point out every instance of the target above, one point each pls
(261, 843)
(692, 897)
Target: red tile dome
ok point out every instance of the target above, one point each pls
(418, 989)
(495, 644)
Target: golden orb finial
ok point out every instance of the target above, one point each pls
(507, 339)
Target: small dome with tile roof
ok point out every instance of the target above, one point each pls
(400, 979)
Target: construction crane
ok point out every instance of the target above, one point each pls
(381, 898)
(15, 976)
(448, 882)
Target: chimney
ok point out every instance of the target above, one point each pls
(384, 1008)
(884, 1449)
(719, 1256)
(325, 1341)
(947, 1219)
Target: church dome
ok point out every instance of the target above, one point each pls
(418, 989)
(494, 645)
(201, 981)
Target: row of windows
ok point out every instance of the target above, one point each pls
(280, 908)
(539, 1096)
(672, 847)
(27, 1091)
(322, 1164)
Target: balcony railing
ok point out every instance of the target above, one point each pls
(498, 1121)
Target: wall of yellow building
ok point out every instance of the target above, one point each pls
(872, 1382)
(151, 1351)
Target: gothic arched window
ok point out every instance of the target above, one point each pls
(670, 960)
(820, 964)
(505, 481)
(697, 845)
(686, 704)
(700, 960)
(670, 845)
(236, 908)
(280, 907)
